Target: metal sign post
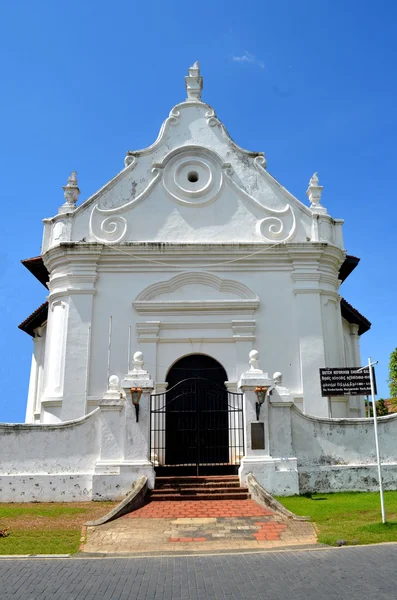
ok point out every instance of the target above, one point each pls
(371, 375)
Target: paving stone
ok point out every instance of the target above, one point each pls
(356, 573)
(162, 526)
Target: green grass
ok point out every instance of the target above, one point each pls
(51, 528)
(46, 528)
(56, 510)
(54, 541)
(354, 517)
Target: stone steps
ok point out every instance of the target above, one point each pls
(230, 481)
(198, 488)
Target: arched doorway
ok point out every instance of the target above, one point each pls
(198, 420)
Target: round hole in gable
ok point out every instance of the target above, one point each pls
(192, 176)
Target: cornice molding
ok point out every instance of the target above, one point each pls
(75, 256)
(173, 257)
(196, 307)
(241, 330)
(308, 276)
(332, 296)
(64, 293)
(298, 291)
(51, 402)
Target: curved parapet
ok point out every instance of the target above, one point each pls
(323, 441)
(49, 462)
(339, 454)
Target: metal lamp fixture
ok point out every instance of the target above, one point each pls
(136, 394)
(261, 395)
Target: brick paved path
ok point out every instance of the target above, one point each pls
(197, 526)
(356, 573)
(199, 508)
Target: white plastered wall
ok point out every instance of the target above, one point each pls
(164, 338)
(278, 305)
(49, 463)
(339, 454)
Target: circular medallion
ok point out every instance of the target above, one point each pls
(192, 180)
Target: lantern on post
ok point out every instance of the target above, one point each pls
(261, 396)
(136, 394)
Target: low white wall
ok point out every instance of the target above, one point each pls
(59, 462)
(49, 462)
(339, 454)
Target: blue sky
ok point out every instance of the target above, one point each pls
(310, 83)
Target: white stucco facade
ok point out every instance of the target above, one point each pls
(192, 249)
(218, 265)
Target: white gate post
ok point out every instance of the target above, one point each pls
(138, 386)
(267, 418)
(252, 379)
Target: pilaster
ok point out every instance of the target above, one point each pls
(307, 292)
(36, 374)
(73, 274)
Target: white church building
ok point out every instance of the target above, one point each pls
(192, 249)
(163, 287)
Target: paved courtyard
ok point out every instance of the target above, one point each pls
(198, 526)
(356, 573)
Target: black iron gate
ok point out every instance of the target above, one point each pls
(196, 428)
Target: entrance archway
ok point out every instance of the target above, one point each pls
(197, 365)
(199, 421)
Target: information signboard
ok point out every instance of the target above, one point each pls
(346, 382)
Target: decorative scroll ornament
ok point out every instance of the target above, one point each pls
(260, 163)
(174, 116)
(113, 229)
(280, 226)
(107, 224)
(273, 228)
(211, 117)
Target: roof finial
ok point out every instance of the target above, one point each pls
(314, 192)
(71, 192)
(194, 83)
